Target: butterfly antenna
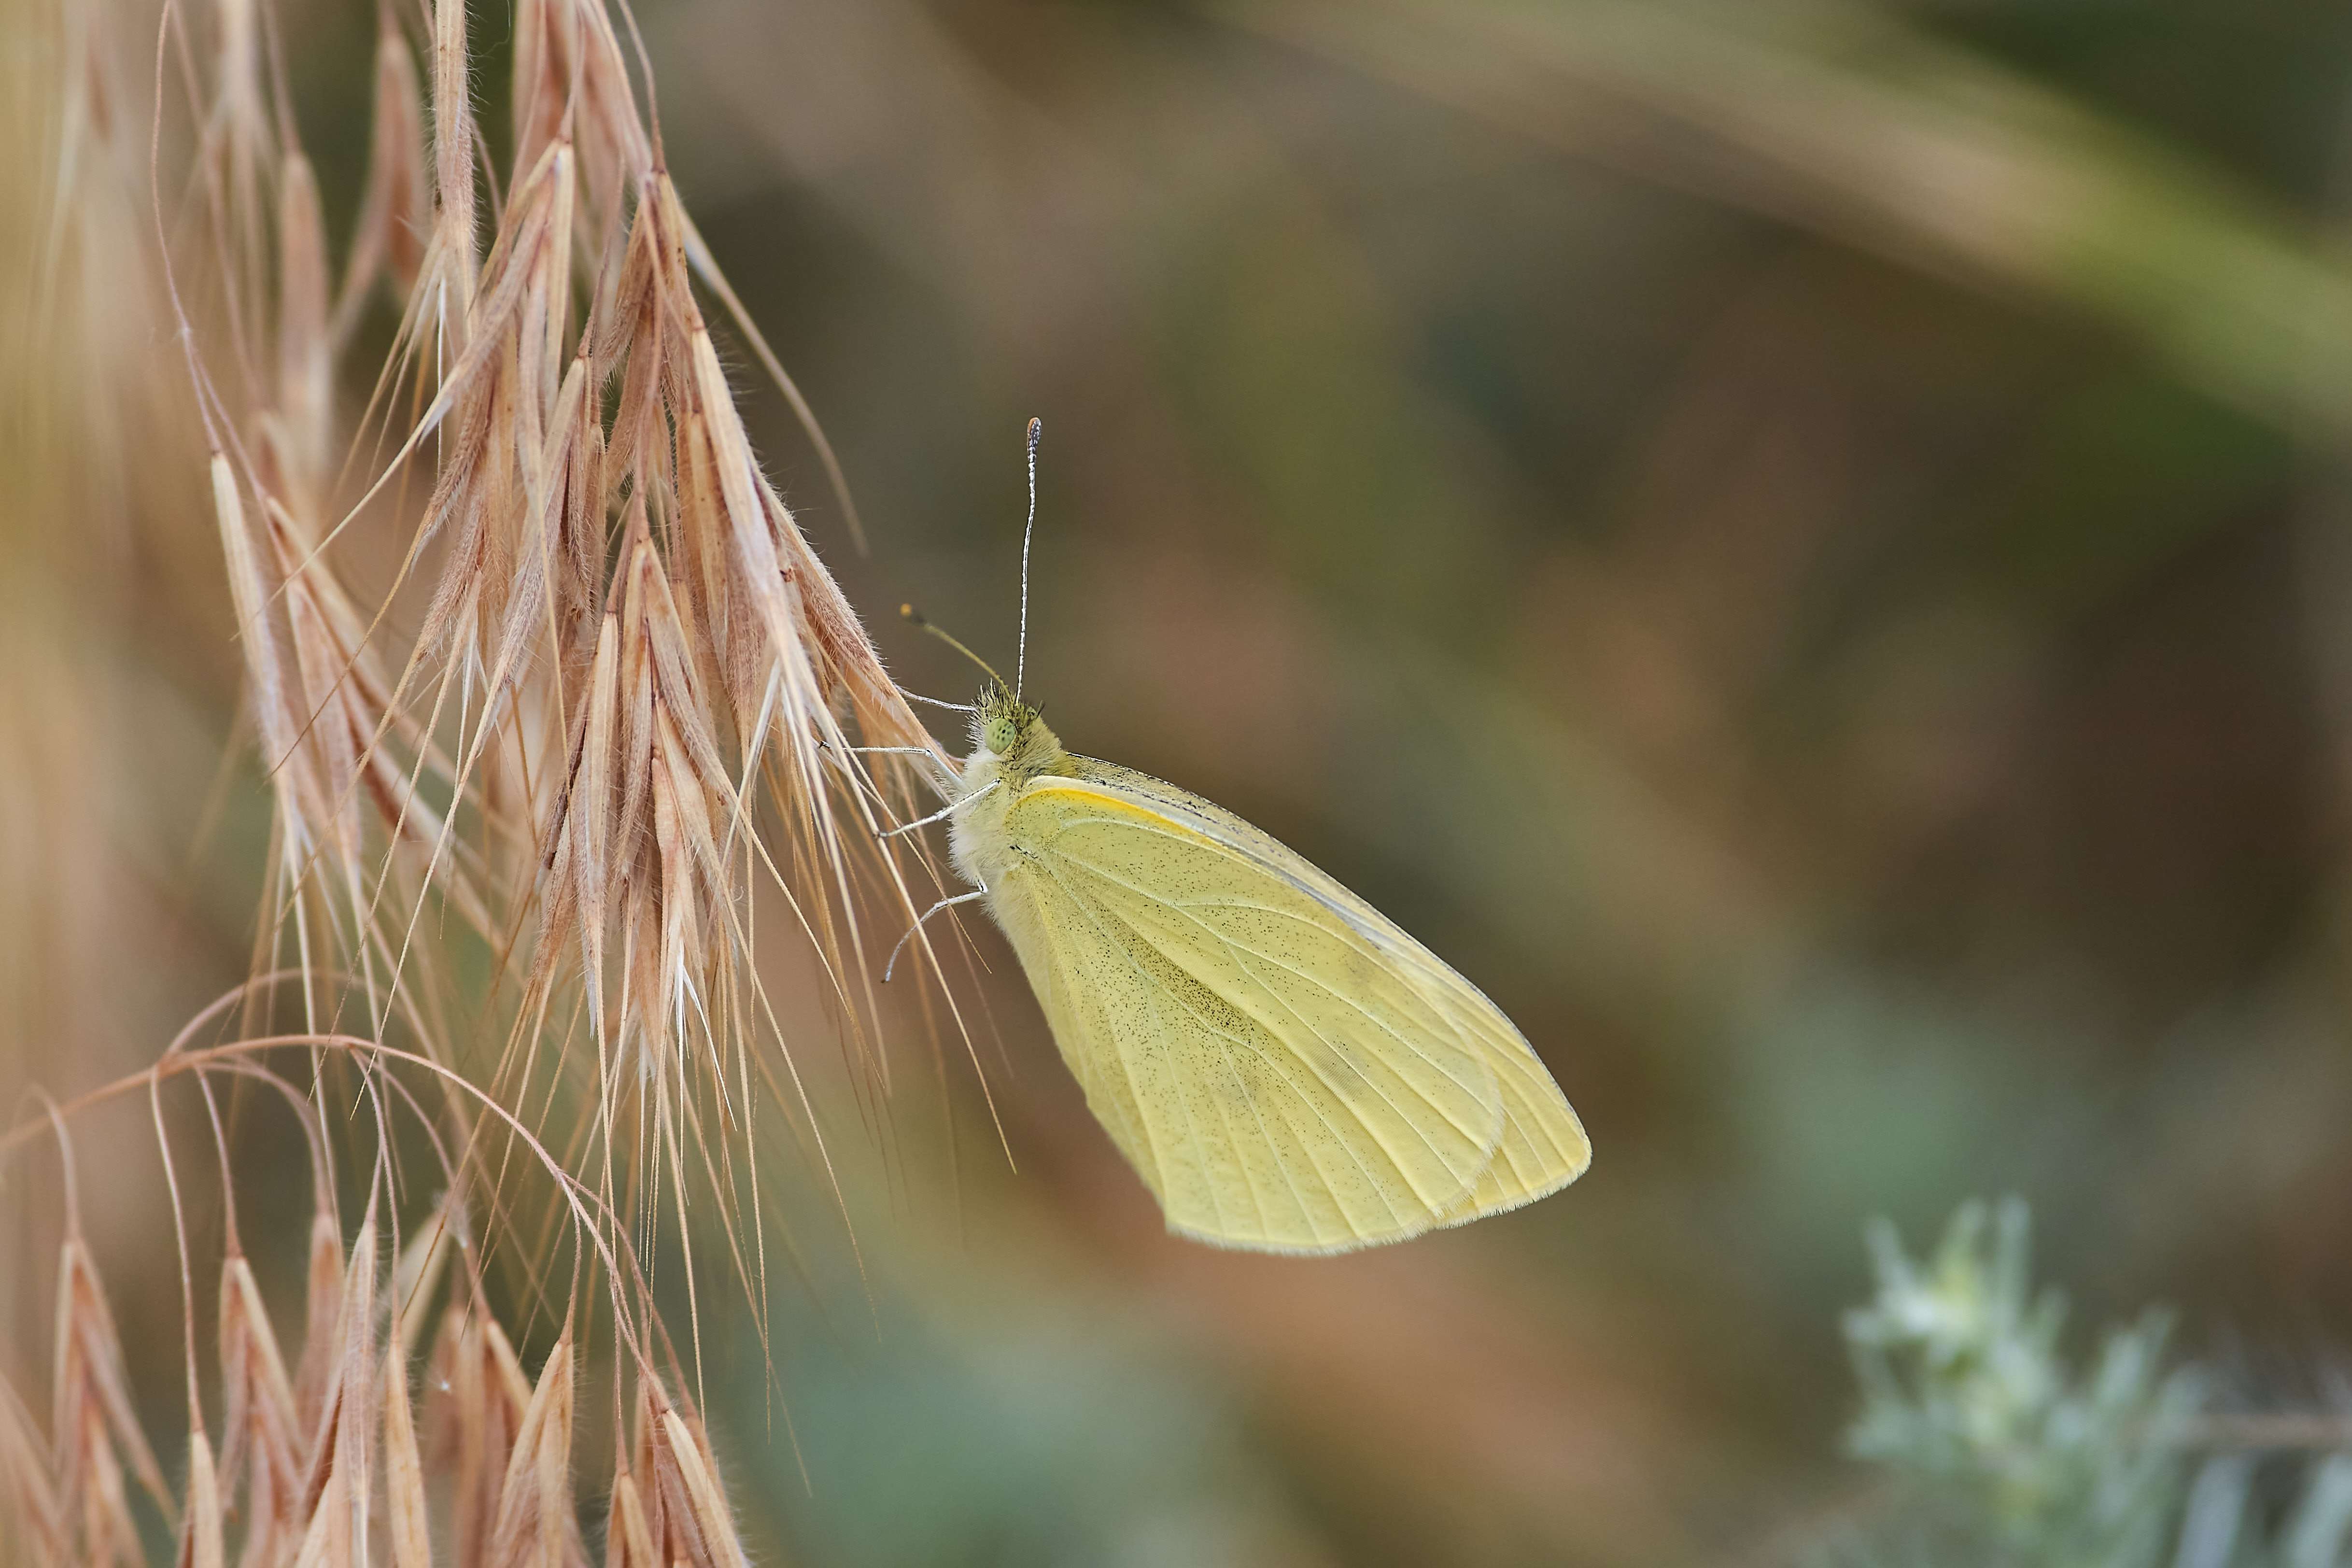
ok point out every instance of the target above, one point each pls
(1020, 655)
(915, 615)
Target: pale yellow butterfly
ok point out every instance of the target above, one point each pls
(1286, 1068)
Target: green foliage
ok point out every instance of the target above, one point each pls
(1996, 1451)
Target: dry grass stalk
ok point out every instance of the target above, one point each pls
(34, 1520)
(486, 1396)
(628, 1538)
(358, 1482)
(205, 1544)
(678, 1515)
(407, 1514)
(263, 1438)
(536, 1522)
(93, 1428)
(610, 690)
(599, 691)
(697, 1514)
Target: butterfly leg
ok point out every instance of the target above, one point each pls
(935, 702)
(944, 812)
(927, 914)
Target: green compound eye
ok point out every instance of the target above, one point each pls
(998, 735)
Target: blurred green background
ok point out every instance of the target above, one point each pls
(1805, 547)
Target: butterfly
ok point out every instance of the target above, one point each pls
(1286, 1068)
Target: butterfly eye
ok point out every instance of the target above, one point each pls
(997, 735)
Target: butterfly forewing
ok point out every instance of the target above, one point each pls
(1278, 1077)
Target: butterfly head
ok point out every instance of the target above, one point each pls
(1001, 720)
(1010, 731)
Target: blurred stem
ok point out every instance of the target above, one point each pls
(1851, 125)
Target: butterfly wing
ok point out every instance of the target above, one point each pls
(1543, 1146)
(1286, 1067)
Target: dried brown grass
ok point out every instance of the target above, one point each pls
(337, 1463)
(609, 690)
(546, 681)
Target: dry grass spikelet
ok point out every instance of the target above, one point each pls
(263, 1441)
